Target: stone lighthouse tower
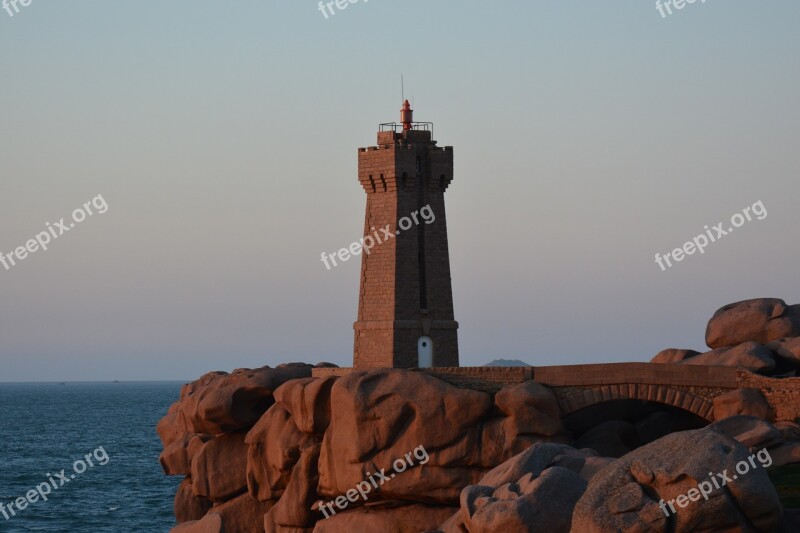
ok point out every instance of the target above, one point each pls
(405, 307)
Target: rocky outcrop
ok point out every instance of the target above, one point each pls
(749, 355)
(534, 460)
(219, 467)
(303, 452)
(531, 413)
(211, 523)
(743, 402)
(673, 355)
(203, 435)
(400, 518)
(787, 353)
(472, 462)
(782, 444)
(761, 320)
(761, 335)
(274, 447)
(189, 506)
(381, 415)
(532, 503)
(294, 508)
(228, 403)
(790, 431)
(276, 450)
(753, 432)
(634, 493)
(243, 514)
(308, 401)
(535, 490)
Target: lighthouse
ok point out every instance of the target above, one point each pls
(405, 306)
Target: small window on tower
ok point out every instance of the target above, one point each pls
(425, 352)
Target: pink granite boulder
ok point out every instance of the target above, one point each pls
(749, 402)
(761, 320)
(673, 355)
(750, 355)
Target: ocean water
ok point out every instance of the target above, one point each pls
(48, 427)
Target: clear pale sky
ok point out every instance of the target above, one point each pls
(588, 136)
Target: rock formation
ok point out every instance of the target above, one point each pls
(761, 335)
(277, 450)
(628, 494)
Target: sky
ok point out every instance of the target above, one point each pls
(223, 137)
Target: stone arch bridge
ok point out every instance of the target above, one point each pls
(688, 387)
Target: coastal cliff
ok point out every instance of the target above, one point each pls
(302, 448)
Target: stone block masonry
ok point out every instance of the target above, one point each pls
(483, 378)
(783, 394)
(405, 296)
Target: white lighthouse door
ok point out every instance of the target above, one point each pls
(425, 352)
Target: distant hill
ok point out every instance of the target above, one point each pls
(507, 362)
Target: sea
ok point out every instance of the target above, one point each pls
(49, 427)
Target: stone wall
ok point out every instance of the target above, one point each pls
(483, 378)
(782, 394)
(635, 373)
